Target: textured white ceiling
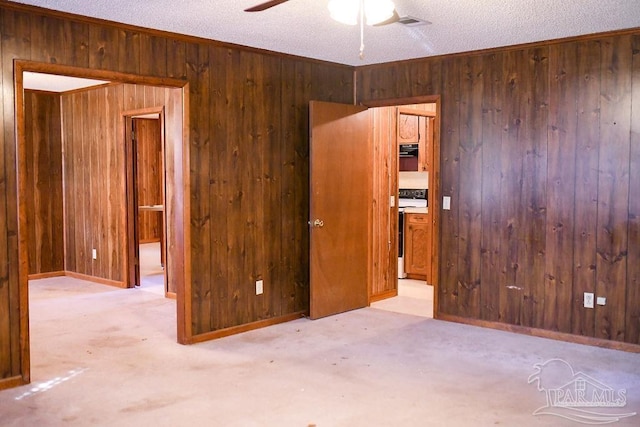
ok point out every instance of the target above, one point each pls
(303, 27)
(54, 83)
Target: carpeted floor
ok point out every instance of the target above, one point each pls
(108, 357)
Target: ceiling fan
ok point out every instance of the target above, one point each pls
(376, 12)
(269, 4)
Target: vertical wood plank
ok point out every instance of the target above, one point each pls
(6, 347)
(103, 47)
(116, 186)
(632, 319)
(384, 220)
(511, 186)
(561, 178)
(586, 187)
(176, 63)
(295, 208)
(70, 182)
(129, 57)
(198, 73)
(219, 191)
(269, 226)
(613, 187)
(450, 165)
(492, 275)
(153, 55)
(532, 211)
(15, 42)
(75, 44)
(470, 183)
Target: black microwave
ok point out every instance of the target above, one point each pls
(408, 150)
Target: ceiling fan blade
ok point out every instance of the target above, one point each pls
(264, 6)
(395, 18)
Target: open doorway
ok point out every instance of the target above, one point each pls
(408, 139)
(146, 178)
(371, 218)
(93, 215)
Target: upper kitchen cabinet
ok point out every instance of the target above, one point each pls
(408, 128)
(415, 137)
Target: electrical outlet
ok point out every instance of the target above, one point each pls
(259, 287)
(94, 254)
(601, 300)
(588, 299)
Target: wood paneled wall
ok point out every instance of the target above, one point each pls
(94, 174)
(384, 165)
(43, 144)
(149, 180)
(248, 150)
(541, 157)
(94, 182)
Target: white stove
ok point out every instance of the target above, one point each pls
(412, 198)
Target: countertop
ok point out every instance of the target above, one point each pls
(412, 210)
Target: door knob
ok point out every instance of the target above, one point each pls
(317, 223)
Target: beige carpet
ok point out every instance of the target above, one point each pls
(108, 357)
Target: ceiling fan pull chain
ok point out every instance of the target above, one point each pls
(361, 29)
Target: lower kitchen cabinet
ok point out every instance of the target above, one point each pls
(417, 255)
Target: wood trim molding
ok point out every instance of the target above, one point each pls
(94, 73)
(182, 168)
(397, 102)
(12, 382)
(115, 283)
(23, 229)
(415, 112)
(154, 240)
(37, 276)
(383, 295)
(543, 333)
(245, 328)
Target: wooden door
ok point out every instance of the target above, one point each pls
(133, 250)
(340, 193)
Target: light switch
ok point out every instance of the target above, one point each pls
(446, 203)
(601, 300)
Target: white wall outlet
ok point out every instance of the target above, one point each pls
(588, 299)
(601, 300)
(446, 203)
(259, 287)
(94, 253)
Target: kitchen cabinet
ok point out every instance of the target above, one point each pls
(417, 256)
(415, 129)
(408, 129)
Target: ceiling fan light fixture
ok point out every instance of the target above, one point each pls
(348, 11)
(377, 11)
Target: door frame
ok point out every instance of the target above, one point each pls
(435, 184)
(177, 179)
(131, 182)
